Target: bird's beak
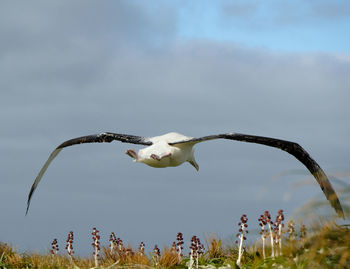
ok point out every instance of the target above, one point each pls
(194, 164)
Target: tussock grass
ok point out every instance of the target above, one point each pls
(169, 258)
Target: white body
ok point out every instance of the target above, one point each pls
(169, 155)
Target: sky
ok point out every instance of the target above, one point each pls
(73, 68)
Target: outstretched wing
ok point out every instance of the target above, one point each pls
(96, 138)
(292, 148)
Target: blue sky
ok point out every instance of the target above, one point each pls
(73, 68)
(278, 25)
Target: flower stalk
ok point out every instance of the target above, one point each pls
(156, 252)
(179, 246)
(278, 233)
(96, 245)
(196, 249)
(69, 246)
(263, 232)
(241, 237)
(112, 242)
(142, 248)
(269, 222)
(54, 247)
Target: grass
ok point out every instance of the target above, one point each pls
(321, 245)
(318, 244)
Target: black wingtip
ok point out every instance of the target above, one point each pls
(338, 209)
(28, 204)
(30, 197)
(337, 206)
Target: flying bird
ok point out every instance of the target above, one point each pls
(173, 149)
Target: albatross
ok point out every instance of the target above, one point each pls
(174, 149)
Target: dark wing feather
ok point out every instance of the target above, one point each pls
(292, 148)
(96, 138)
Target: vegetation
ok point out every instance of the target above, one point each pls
(279, 244)
(321, 245)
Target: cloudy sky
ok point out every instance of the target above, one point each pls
(72, 68)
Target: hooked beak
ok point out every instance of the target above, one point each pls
(132, 154)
